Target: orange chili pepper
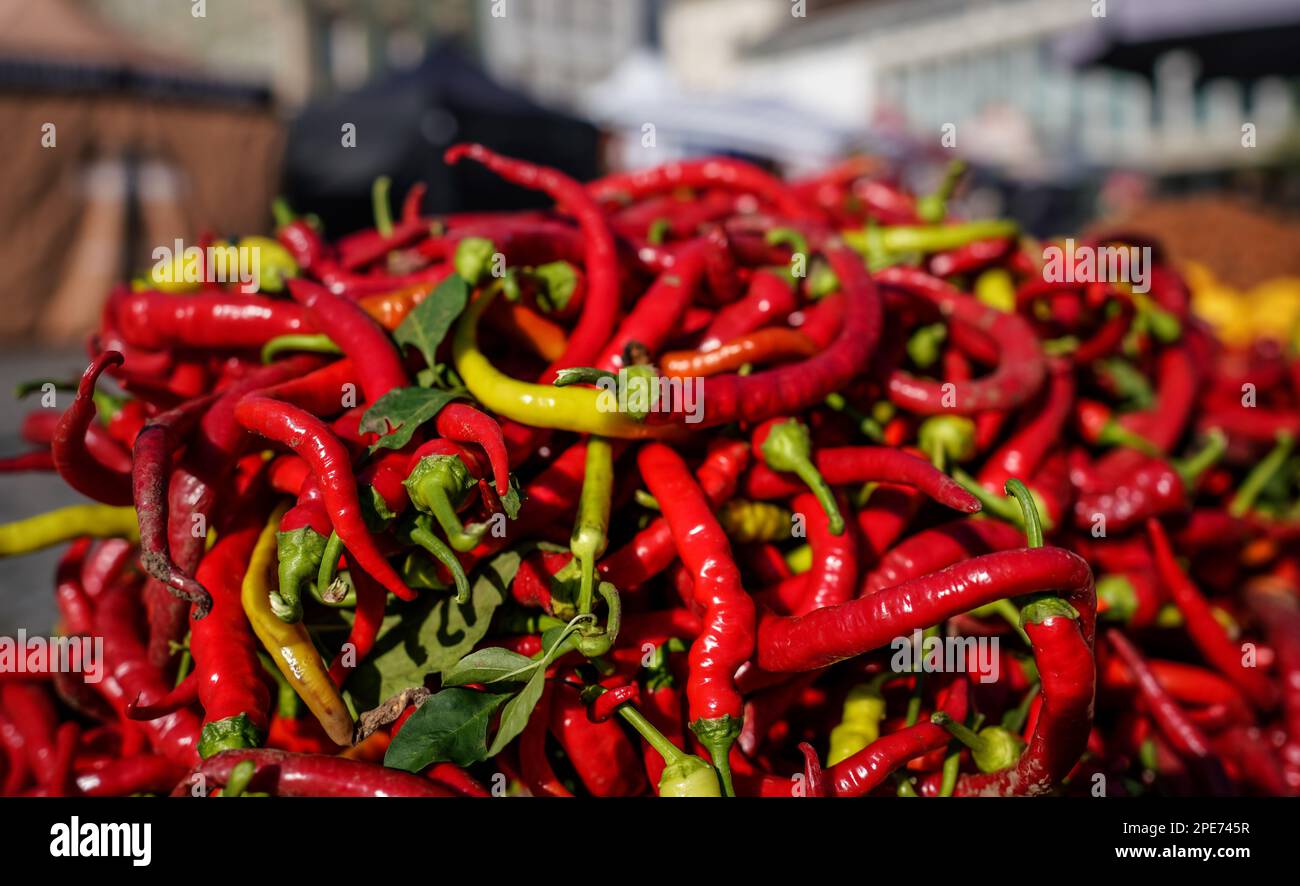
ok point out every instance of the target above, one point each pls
(391, 308)
(761, 346)
(526, 327)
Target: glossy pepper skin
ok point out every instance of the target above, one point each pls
(308, 436)
(289, 645)
(727, 640)
(285, 774)
(230, 681)
(825, 636)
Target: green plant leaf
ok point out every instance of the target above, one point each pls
(491, 665)
(398, 414)
(426, 326)
(511, 501)
(514, 717)
(450, 726)
(431, 634)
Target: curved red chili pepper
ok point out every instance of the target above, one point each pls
(465, 424)
(605, 759)
(940, 547)
(601, 265)
(75, 464)
(309, 437)
(1204, 629)
(1029, 444)
(864, 464)
(374, 355)
(1021, 366)
(795, 387)
(825, 636)
(657, 314)
(709, 172)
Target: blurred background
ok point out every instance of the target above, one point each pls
(129, 123)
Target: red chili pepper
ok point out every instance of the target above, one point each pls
(770, 296)
(865, 464)
(866, 770)
(284, 774)
(31, 710)
(657, 314)
(1204, 629)
(651, 551)
(368, 618)
(76, 465)
(601, 753)
(1276, 608)
(145, 774)
(534, 765)
(971, 257)
(938, 548)
(1021, 366)
(795, 387)
(230, 678)
(465, 424)
(1029, 444)
(150, 472)
(825, 636)
(210, 320)
(308, 436)
(1184, 735)
(378, 364)
(1063, 652)
(728, 637)
(601, 265)
(711, 172)
(129, 676)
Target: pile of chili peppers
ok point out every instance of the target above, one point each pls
(648, 494)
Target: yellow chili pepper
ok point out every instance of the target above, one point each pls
(290, 645)
(65, 524)
(582, 410)
(859, 726)
(751, 521)
(799, 559)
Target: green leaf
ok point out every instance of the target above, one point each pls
(514, 717)
(511, 501)
(450, 726)
(491, 665)
(403, 410)
(431, 634)
(426, 326)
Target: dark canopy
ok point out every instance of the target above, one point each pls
(403, 125)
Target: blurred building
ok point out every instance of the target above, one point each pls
(1014, 77)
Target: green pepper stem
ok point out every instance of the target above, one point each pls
(315, 344)
(438, 501)
(379, 201)
(905, 786)
(282, 212)
(443, 554)
(582, 375)
(590, 531)
(240, 776)
(788, 447)
(1260, 475)
(951, 767)
(788, 237)
(959, 731)
(328, 564)
(1028, 510)
(670, 752)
